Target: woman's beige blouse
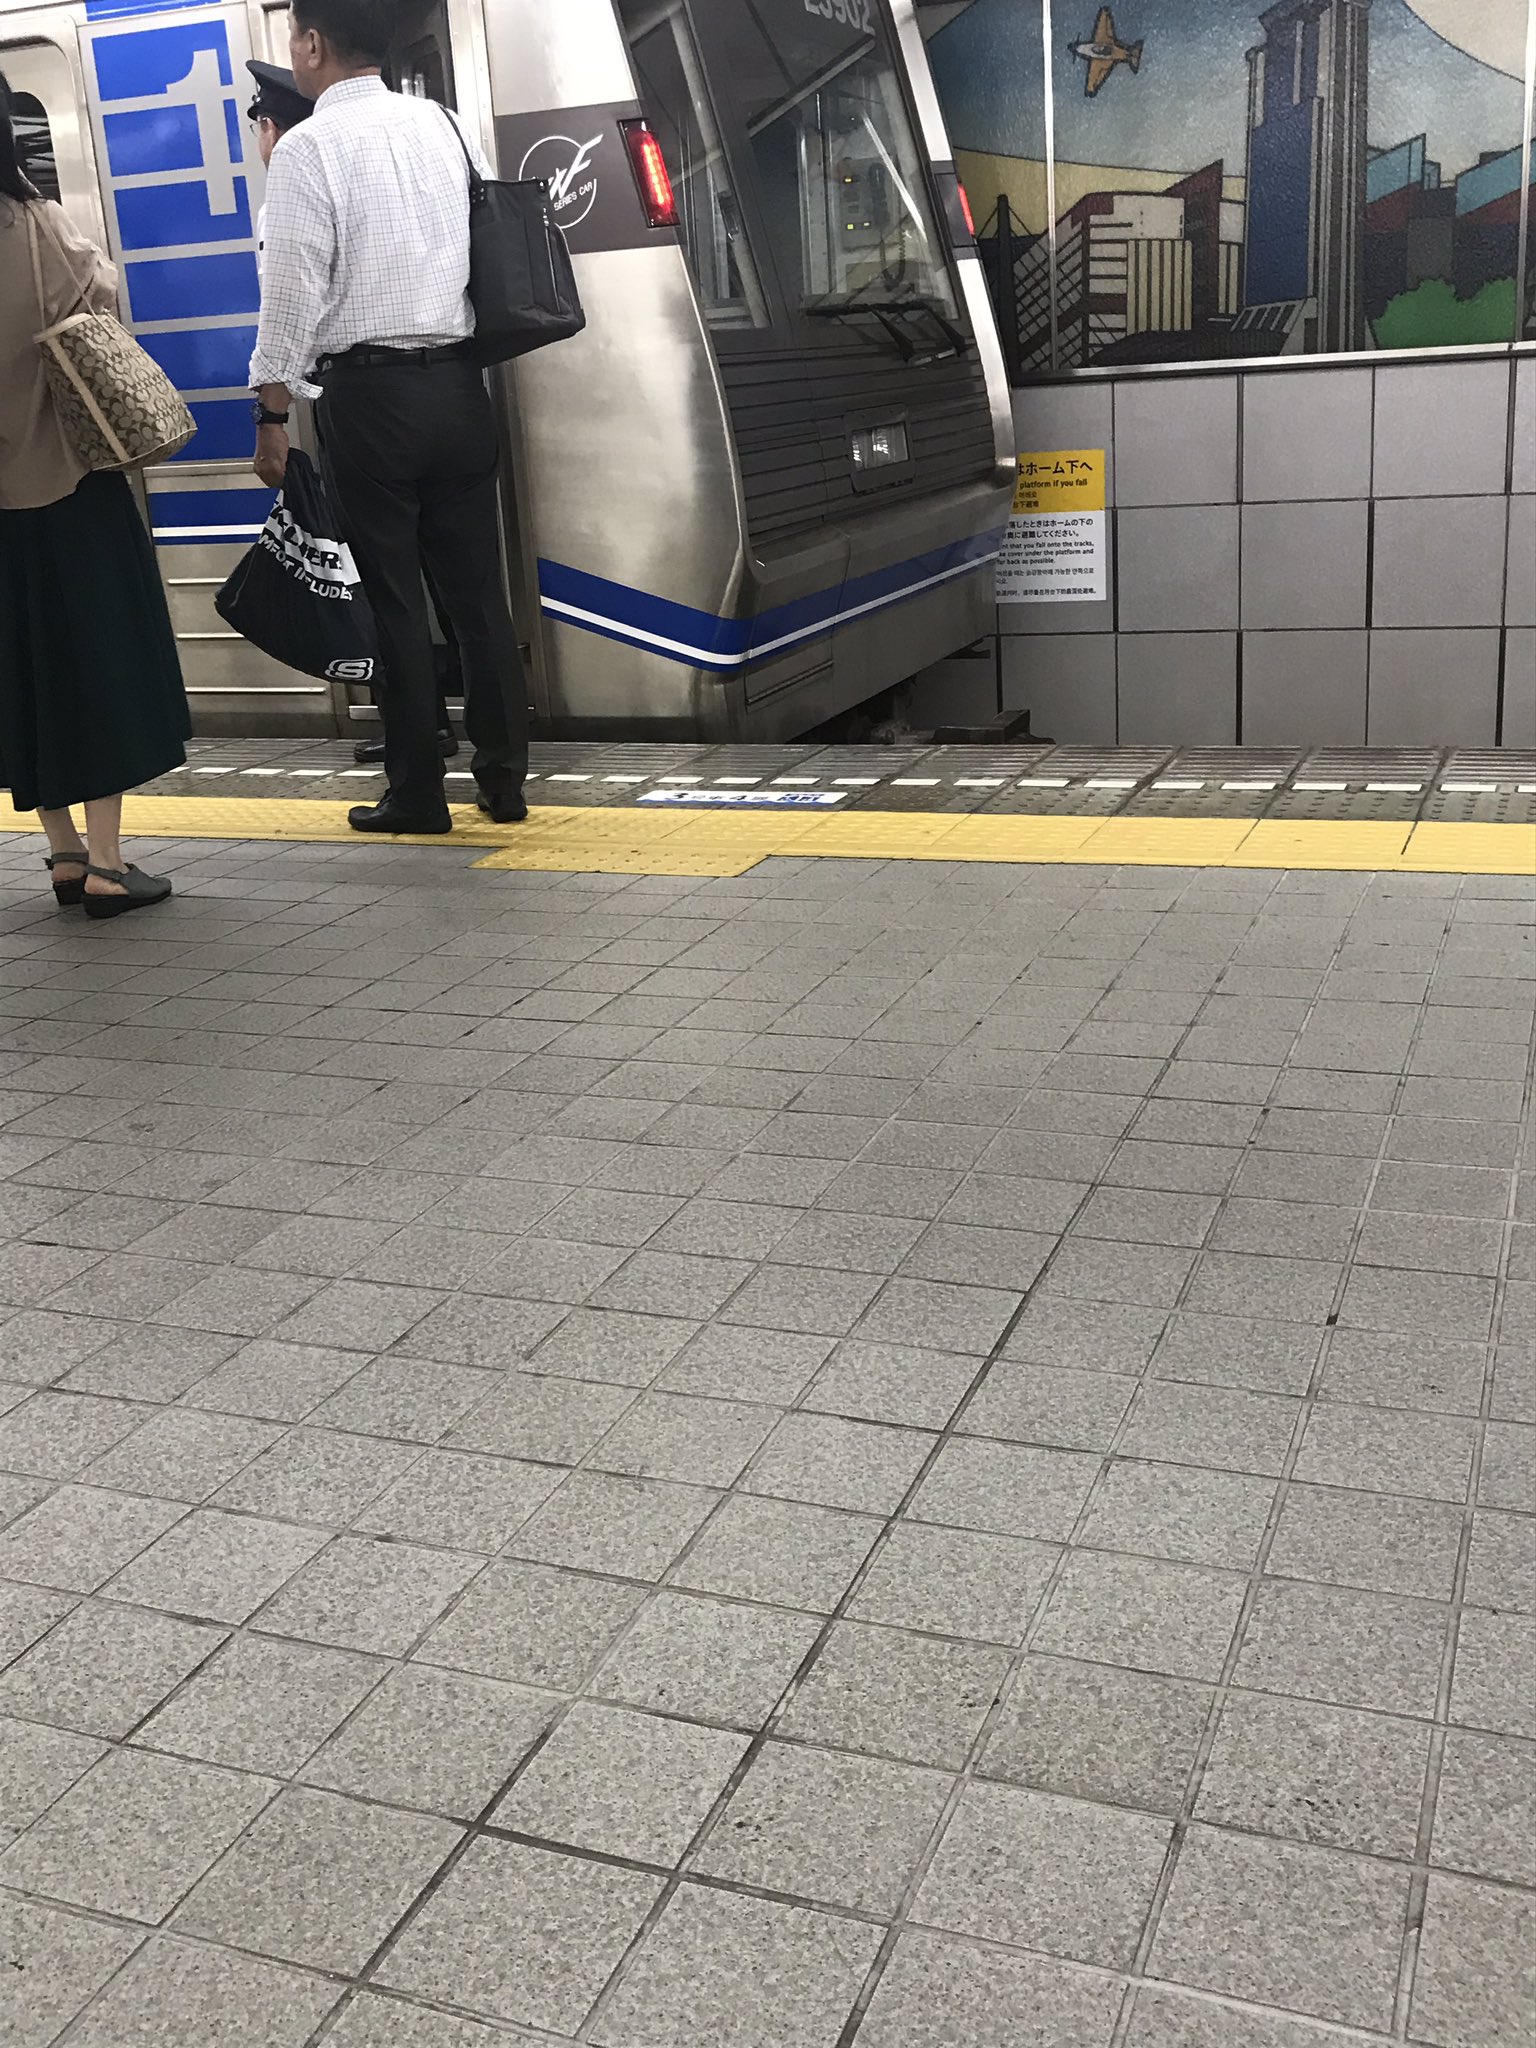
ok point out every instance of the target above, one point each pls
(37, 465)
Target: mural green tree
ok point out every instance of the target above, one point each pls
(1431, 316)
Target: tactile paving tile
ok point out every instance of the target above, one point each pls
(1499, 806)
(637, 839)
(1379, 805)
(910, 777)
(1220, 764)
(1215, 782)
(1382, 785)
(1133, 764)
(878, 761)
(917, 792)
(1490, 786)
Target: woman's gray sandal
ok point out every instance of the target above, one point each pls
(139, 891)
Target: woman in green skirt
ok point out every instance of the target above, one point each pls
(91, 697)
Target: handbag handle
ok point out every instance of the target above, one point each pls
(476, 182)
(37, 264)
(34, 212)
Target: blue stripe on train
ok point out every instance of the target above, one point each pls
(224, 430)
(150, 139)
(616, 606)
(142, 63)
(703, 639)
(204, 358)
(208, 518)
(179, 216)
(193, 287)
(110, 10)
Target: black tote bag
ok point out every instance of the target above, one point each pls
(296, 595)
(522, 284)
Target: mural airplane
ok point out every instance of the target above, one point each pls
(1282, 178)
(1103, 52)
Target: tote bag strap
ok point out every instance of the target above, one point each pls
(34, 212)
(476, 182)
(37, 263)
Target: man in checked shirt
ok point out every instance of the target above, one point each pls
(365, 292)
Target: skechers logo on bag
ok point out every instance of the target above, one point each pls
(323, 566)
(356, 671)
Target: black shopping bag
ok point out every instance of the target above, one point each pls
(295, 595)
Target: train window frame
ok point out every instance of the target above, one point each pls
(432, 37)
(53, 184)
(45, 45)
(41, 166)
(803, 319)
(717, 236)
(431, 44)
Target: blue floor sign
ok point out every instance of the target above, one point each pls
(743, 799)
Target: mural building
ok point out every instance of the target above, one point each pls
(1232, 181)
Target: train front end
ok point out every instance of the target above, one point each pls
(770, 479)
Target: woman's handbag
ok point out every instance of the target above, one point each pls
(522, 283)
(116, 405)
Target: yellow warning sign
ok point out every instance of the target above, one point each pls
(1060, 480)
(1055, 549)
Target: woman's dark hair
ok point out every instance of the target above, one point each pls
(14, 182)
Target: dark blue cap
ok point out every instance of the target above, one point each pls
(277, 99)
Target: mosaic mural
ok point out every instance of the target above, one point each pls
(1229, 180)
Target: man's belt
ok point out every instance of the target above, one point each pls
(369, 355)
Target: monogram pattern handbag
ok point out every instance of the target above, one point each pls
(116, 405)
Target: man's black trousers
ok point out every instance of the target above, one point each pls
(411, 454)
(450, 678)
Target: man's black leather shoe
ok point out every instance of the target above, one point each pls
(388, 817)
(368, 751)
(502, 810)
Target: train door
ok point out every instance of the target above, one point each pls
(42, 70)
(423, 67)
(179, 181)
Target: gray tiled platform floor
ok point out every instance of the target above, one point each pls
(898, 1453)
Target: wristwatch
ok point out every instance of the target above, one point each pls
(265, 417)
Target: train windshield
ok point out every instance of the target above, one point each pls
(842, 181)
(813, 113)
(671, 75)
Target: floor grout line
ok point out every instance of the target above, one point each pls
(1419, 1884)
(1492, 933)
(1226, 1681)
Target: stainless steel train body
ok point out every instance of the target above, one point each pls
(770, 477)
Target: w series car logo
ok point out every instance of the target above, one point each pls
(566, 167)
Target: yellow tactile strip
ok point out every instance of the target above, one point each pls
(661, 841)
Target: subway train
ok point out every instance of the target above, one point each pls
(769, 479)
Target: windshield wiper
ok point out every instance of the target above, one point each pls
(894, 316)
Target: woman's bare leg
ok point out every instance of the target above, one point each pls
(103, 832)
(63, 839)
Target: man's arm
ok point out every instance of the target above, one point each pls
(297, 265)
(270, 461)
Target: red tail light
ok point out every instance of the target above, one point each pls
(651, 175)
(965, 208)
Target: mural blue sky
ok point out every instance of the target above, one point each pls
(1188, 105)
